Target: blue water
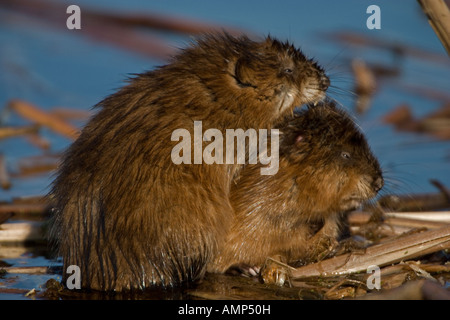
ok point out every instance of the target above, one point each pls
(51, 66)
(27, 281)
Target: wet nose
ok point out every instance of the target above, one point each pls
(378, 184)
(324, 82)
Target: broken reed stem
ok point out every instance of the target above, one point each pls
(37, 164)
(13, 291)
(71, 114)
(442, 217)
(414, 223)
(21, 232)
(420, 219)
(439, 18)
(7, 132)
(43, 118)
(26, 270)
(416, 202)
(24, 208)
(120, 29)
(396, 250)
(38, 141)
(5, 182)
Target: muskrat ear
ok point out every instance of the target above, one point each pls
(243, 72)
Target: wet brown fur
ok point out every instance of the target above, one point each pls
(123, 212)
(278, 215)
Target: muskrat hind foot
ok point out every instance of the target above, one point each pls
(275, 271)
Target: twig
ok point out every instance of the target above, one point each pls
(365, 85)
(41, 117)
(21, 232)
(13, 291)
(436, 216)
(439, 18)
(157, 22)
(416, 202)
(70, 114)
(421, 90)
(120, 29)
(38, 141)
(26, 270)
(4, 176)
(23, 208)
(415, 223)
(37, 164)
(420, 271)
(402, 248)
(29, 200)
(442, 188)
(7, 132)
(395, 46)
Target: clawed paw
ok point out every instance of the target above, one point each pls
(321, 248)
(244, 269)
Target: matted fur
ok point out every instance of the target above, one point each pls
(123, 212)
(326, 168)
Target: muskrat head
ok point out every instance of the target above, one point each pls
(335, 168)
(279, 71)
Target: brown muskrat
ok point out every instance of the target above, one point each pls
(123, 211)
(325, 169)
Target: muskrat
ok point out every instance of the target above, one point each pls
(325, 169)
(123, 211)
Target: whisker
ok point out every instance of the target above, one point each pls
(348, 91)
(330, 65)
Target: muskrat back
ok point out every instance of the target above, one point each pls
(123, 211)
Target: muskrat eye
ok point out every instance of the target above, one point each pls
(287, 70)
(345, 155)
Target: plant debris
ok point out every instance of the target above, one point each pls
(436, 123)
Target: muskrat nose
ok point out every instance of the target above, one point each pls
(324, 82)
(378, 184)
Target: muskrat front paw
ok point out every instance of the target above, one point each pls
(321, 248)
(244, 269)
